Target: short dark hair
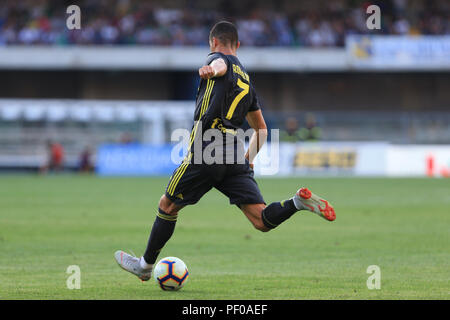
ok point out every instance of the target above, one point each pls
(226, 32)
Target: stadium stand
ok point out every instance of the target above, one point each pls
(268, 23)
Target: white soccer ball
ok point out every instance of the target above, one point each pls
(171, 273)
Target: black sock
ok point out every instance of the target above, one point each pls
(162, 230)
(277, 212)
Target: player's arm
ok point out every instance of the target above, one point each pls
(216, 68)
(256, 121)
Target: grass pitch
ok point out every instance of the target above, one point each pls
(401, 225)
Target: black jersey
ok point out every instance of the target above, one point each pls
(222, 103)
(225, 99)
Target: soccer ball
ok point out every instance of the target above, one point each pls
(171, 273)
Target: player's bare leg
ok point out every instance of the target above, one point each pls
(162, 230)
(168, 206)
(253, 214)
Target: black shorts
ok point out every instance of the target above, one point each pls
(189, 182)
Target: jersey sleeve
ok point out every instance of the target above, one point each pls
(216, 55)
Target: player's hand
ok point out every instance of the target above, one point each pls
(252, 166)
(206, 72)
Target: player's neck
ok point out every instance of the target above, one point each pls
(225, 50)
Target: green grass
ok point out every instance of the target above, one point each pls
(401, 225)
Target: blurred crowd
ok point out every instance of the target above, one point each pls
(178, 23)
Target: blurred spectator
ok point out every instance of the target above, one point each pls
(86, 165)
(291, 132)
(269, 23)
(126, 138)
(55, 154)
(310, 132)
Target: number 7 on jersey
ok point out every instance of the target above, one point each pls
(245, 87)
